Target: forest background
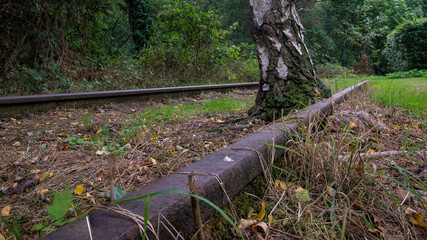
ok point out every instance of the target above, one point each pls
(59, 46)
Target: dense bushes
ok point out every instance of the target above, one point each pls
(406, 47)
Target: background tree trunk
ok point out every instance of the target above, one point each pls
(287, 71)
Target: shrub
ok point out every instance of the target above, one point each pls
(334, 70)
(405, 48)
(408, 74)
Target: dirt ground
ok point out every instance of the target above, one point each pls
(40, 153)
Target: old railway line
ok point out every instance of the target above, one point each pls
(10, 106)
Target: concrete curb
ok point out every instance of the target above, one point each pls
(176, 208)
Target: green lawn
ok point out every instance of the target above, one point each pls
(405, 93)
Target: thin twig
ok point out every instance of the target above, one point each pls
(382, 154)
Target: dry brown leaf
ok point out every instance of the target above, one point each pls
(5, 212)
(260, 227)
(16, 144)
(2, 237)
(245, 223)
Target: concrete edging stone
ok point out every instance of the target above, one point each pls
(176, 208)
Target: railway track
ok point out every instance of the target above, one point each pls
(10, 106)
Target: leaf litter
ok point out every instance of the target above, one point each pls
(361, 174)
(64, 156)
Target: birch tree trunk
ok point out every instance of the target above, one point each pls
(287, 71)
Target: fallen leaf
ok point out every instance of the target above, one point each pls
(79, 189)
(99, 132)
(2, 237)
(171, 150)
(270, 219)
(5, 212)
(228, 159)
(244, 223)
(19, 122)
(42, 191)
(371, 151)
(101, 152)
(302, 194)
(152, 161)
(261, 213)
(352, 125)
(44, 177)
(65, 146)
(219, 121)
(16, 144)
(331, 191)
(279, 185)
(418, 220)
(261, 227)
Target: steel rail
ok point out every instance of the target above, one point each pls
(34, 103)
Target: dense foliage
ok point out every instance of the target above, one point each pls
(406, 47)
(65, 46)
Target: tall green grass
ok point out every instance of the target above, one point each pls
(405, 93)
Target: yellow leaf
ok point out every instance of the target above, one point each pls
(416, 126)
(42, 191)
(99, 132)
(270, 219)
(371, 151)
(394, 125)
(19, 122)
(5, 212)
(418, 220)
(79, 189)
(154, 139)
(51, 174)
(373, 139)
(2, 237)
(352, 125)
(261, 213)
(171, 150)
(219, 121)
(44, 177)
(152, 161)
(279, 185)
